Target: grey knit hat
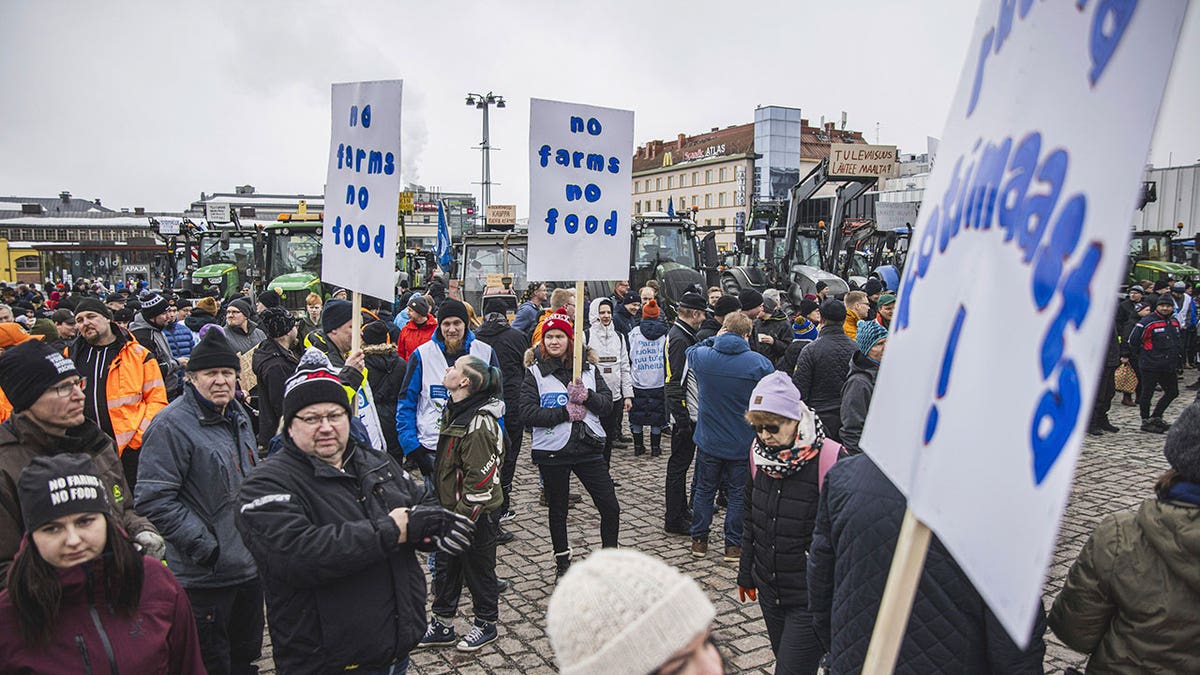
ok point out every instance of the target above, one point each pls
(1182, 448)
(621, 611)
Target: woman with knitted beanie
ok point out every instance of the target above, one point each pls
(621, 611)
(563, 417)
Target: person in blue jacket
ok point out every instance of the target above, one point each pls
(726, 371)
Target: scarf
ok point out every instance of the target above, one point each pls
(781, 461)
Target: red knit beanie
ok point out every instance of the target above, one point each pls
(650, 309)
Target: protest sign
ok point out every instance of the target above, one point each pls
(1025, 225)
(362, 187)
(855, 160)
(892, 215)
(580, 162)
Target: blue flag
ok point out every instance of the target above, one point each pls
(670, 207)
(444, 251)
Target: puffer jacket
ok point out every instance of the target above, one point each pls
(90, 637)
(155, 339)
(341, 590)
(469, 454)
(1132, 598)
(856, 399)
(1156, 343)
(180, 339)
(599, 402)
(822, 368)
(777, 531)
(950, 628)
(192, 465)
(22, 439)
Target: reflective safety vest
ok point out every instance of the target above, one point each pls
(134, 393)
(553, 394)
(647, 360)
(433, 397)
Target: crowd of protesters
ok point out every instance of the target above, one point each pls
(277, 459)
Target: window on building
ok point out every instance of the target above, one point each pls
(682, 176)
(670, 182)
(721, 199)
(723, 175)
(657, 183)
(647, 207)
(635, 187)
(637, 207)
(721, 223)
(695, 178)
(658, 205)
(707, 176)
(27, 263)
(708, 200)
(708, 222)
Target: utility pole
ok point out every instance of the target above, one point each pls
(484, 102)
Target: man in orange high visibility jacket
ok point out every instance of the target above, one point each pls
(124, 383)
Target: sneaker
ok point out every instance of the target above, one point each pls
(481, 633)
(699, 548)
(507, 516)
(437, 635)
(505, 537)
(733, 553)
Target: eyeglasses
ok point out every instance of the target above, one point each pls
(769, 428)
(334, 418)
(65, 389)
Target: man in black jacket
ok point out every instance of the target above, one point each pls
(950, 628)
(823, 366)
(724, 306)
(273, 364)
(677, 519)
(333, 524)
(1156, 343)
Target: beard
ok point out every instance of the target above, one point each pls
(454, 346)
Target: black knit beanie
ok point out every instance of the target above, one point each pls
(335, 315)
(276, 322)
(749, 299)
(29, 369)
(54, 486)
(153, 305)
(313, 382)
(269, 298)
(452, 308)
(213, 351)
(93, 305)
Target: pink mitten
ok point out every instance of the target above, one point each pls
(576, 392)
(576, 412)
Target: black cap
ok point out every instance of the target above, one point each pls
(335, 314)
(749, 299)
(62, 316)
(692, 301)
(276, 321)
(807, 307)
(93, 305)
(213, 351)
(631, 298)
(269, 298)
(833, 311)
(726, 305)
(54, 486)
(452, 308)
(153, 305)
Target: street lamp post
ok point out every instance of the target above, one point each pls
(484, 102)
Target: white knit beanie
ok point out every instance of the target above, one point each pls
(621, 611)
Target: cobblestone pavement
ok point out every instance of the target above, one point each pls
(1115, 472)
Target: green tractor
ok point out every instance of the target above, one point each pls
(294, 258)
(1150, 258)
(226, 260)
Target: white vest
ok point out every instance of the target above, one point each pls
(553, 394)
(433, 397)
(647, 360)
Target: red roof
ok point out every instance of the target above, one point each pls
(733, 141)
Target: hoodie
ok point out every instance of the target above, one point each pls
(856, 399)
(152, 337)
(612, 354)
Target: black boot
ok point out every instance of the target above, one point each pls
(639, 444)
(655, 444)
(1106, 425)
(562, 562)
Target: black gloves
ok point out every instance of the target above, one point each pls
(434, 528)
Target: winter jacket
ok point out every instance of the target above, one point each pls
(413, 336)
(385, 373)
(850, 325)
(198, 319)
(778, 524)
(272, 365)
(306, 326)
(1132, 598)
(708, 328)
(612, 354)
(649, 402)
(351, 378)
(509, 344)
(22, 439)
(192, 465)
(787, 364)
(89, 637)
(340, 589)
(779, 327)
(856, 399)
(424, 396)
(623, 320)
(180, 339)
(469, 455)
(950, 628)
(533, 414)
(527, 317)
(680, 337)
(242, 340)
(133, 387)
(154, 338)
(1156, 343)
(822, 368)
(726, 372)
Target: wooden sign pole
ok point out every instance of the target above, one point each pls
(356, 323)
(577, 369)
(898, 595)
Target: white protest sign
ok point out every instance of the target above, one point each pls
(892, 215)
(580, 162)
(855, 160)
(362, 188)
(217, 212)
(1006, 305)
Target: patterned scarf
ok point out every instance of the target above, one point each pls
(781, 461)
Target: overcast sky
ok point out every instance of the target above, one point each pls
(150, 103)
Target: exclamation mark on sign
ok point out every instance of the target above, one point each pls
(931, 421)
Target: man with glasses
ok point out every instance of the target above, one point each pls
(196, 455)
(334, 525)
(47, 398)
(124, 384)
